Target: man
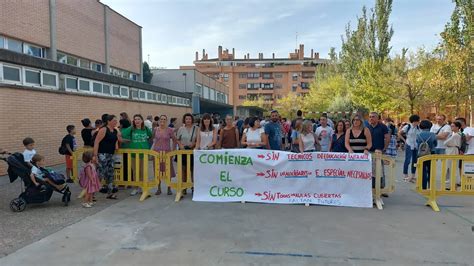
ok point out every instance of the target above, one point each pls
(148, 122)
(464, 141)
(442, 131)
(380, 141)
(299, 115)
(324, 134)
(330, 122)
(273, 132)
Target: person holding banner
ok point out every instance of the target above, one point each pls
(358, 138)
(254, 136)
(338, 143)
(207, 137)
(307, 138)
(229, 135)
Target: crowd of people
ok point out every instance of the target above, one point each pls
(417, 138)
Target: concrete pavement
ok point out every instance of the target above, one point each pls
(162, 232)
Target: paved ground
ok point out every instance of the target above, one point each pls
(161, 232)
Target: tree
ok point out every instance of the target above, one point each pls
(147, 75)
(289, 105)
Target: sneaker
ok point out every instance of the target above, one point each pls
(86, 205)
(134, 192)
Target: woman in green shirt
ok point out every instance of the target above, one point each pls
(138, 137)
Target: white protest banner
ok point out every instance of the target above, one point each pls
(338, 179)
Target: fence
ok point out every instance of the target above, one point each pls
(130, 172)
(455, 178)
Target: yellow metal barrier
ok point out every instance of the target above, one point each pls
(384, 165)
(460, 183)
(184, 179)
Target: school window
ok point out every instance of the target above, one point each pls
(71, 60)
(134, 94)
(97, 87)
(71, 83)
(206, 92)
(84, 63)
(62, 58)
(253, 86)
(133, 77)
(163, 98)
(142, 95)
(14, 45)
(188, 102)
(115, 90)
(96, 67)
(84, 85)
(242, 86)
(33, 50)
(267, 86)
(226, 77)
(49, 80)
(11, 73)
(106, 89)
(124, 92)
(242, 97)
(243, 75)
(169, 98)
(278, 75)
(32, 77)
(150, 96)
(295, 76)
(198, 88)
(305, 85)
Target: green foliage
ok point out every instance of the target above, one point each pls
(147, 75)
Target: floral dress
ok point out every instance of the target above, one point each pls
(161, 142)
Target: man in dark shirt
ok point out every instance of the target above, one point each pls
(273, 132)
(380, 141)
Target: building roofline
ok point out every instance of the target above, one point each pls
(256, 59)
(120, 14)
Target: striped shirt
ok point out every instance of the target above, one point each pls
(358, 144)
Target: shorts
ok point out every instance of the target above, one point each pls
(68, 161)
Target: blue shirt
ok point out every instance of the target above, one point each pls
(429, 137)
(338, 144)
(378, 136)
(273, 131)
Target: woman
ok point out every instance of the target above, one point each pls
(156, 122)
(338, 143)
(229, 135)
(295, 135)
(86, 133)
(254, 136)
(124, 121)
(347, 123)
(162, 136)
(186, 139)
(137, 136)
(358, 137)
(453, 143)
(307, 138)
(106, 143)
(408, 135)
(207, 137)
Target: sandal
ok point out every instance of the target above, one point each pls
(112, 196)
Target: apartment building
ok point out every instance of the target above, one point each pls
(255, 78)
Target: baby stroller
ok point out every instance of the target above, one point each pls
(32, 194)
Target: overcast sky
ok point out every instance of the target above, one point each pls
(173, 30)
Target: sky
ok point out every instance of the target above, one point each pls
(173, 30)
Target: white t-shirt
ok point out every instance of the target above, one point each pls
(446, 129)
(324, 134)
(28, 155)
(148, 124)
(37, 172)
(411, 136)
(254, 136)
(308, 141)
(469, 131)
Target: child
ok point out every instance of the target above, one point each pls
(88, 179)
(29, 151)
(69, 142)
(37, 163)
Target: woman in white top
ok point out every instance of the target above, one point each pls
(207, 137)
(307, 138)
(254, 136)
(453, 143)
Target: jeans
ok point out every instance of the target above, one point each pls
(440, 151)
(410, 159)
(425, 181)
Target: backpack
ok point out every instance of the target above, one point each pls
(463, 147)
(424, 148)
(62, 150)
(405, 134)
